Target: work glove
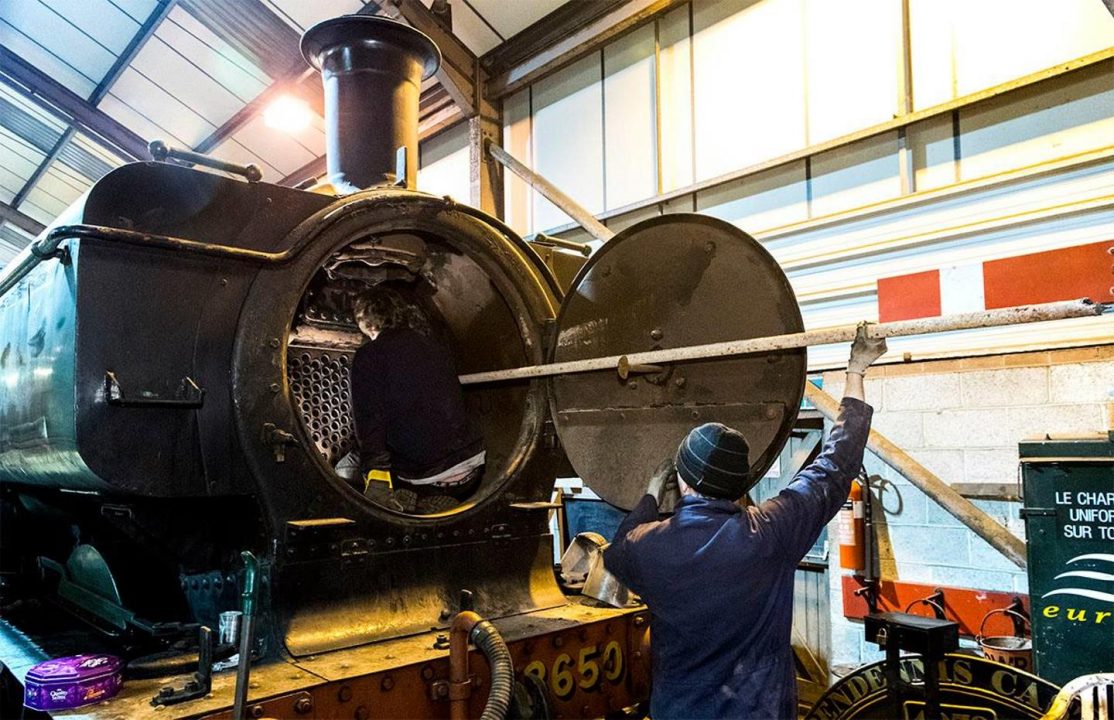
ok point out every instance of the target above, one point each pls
(663, 485)
(865, 350)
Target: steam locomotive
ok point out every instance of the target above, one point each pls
(174, 354)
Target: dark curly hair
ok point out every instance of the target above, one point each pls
(387, 308)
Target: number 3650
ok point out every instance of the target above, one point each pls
(591, 667)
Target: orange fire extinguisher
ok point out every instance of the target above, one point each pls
(852, 531)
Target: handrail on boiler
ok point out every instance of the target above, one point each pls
(47, 247)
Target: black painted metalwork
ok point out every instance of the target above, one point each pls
(369, 65)
(166, 281)
(161, 151)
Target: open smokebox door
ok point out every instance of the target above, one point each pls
(671, 282)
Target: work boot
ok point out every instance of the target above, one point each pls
(431, 504)
(404, 501)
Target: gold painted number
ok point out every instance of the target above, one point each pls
(613, 661)
(588, 667)
(562, 681)
(537, 669)
(591, 666)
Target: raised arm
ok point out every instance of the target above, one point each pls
(797, 515)
(618, 557)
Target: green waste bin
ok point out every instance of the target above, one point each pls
(1068, 491)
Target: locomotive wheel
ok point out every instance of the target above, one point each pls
(970, 686)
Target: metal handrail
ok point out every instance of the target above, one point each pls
(46, 247)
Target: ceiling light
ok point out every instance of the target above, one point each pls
(288, 114)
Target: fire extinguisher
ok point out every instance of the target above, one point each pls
(852, 531)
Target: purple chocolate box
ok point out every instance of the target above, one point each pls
(69, 682)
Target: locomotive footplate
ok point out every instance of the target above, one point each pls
(571, 661)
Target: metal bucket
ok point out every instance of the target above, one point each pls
(578, 558)
(1009, 650)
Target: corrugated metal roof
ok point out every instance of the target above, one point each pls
(189, 72)
(510, 18)
(12, 240)
(302, 15)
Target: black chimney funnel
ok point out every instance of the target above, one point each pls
(373, 69)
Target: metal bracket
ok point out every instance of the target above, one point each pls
(549, 439)
(278, 439)
(161, 151)
(870, 594)
(441, 690)
(60, 253)
(934, 601)
(188, 396)
(201, 682)
(624, 368)
(1018, 616)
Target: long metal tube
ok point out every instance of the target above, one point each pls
(38, 250)
(46, 246)
(161, 151)
(468, 627)
(543, 239)
(247, 641)
(552, 193)
(843, 333)
(459, 687)
(936, 489)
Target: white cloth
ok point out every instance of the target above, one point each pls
(349, 466)
(454, 475)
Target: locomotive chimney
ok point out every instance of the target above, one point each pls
(373, 69)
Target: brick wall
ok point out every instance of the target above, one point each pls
(962, 419)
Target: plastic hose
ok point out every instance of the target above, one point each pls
(491, 644)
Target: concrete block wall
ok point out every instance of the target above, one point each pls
(963, 419)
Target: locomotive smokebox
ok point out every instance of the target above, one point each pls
(373, 70)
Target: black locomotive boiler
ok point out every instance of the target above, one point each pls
(174, 390)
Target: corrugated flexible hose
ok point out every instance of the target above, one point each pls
(491, 644)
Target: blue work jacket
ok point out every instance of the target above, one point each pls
(718, 580)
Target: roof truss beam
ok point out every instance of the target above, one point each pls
(142, 35)
(553, 49)
(253, 30)
(25, 223)
(460, 72)
(68, 104)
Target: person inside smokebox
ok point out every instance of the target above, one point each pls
(718, 578)
(417, 449)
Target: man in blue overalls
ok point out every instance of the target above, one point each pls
(718, 579)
